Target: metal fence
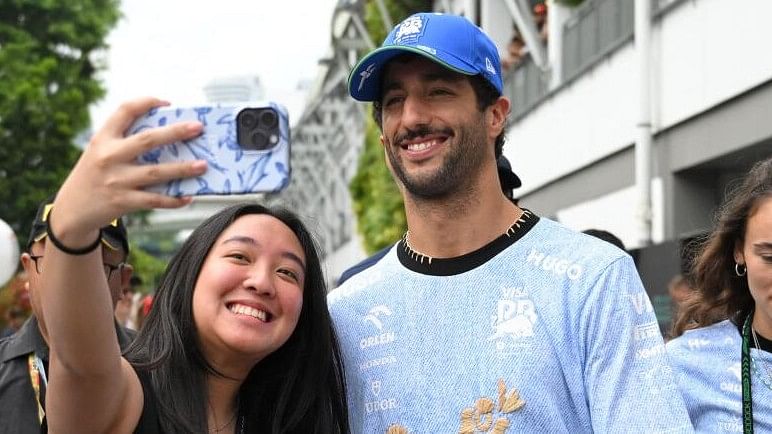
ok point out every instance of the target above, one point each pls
(596, 29)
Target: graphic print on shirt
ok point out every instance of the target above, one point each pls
(513, 320)
(552, 264)
(380, 338)
(487, 417)
(383, 336)
(734, 387)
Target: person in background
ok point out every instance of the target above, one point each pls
(722, 350)
(24, 356)
(485, 317)
(605, 236)
(14, 318)
(125, 306)
(239, 338)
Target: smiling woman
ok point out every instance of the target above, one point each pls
(723, 352)
(239, 338)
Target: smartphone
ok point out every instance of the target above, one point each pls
(247, 148)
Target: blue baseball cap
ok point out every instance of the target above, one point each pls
(450, 40)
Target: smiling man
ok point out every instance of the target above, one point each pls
(485, 317)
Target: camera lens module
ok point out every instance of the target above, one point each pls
(258, 128)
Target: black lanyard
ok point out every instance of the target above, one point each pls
(745, 361)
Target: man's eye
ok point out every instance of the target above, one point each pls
(389, 101)
(439, 92)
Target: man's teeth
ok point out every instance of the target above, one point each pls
(421, 146)
(247, 310)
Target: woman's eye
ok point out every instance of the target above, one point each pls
(290, 274)
(238, 257)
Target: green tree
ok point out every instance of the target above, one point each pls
(377, 201)
(49, 54)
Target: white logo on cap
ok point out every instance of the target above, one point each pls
(410, 26)
(365, 75)
(489, 66)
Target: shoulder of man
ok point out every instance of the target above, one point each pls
(25, 341)
(363, 264)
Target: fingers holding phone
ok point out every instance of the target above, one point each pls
(107, 183)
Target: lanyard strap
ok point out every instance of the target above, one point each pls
(35, 376)
(746, 377)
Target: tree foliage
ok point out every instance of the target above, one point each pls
(377, 201)
(48, 59)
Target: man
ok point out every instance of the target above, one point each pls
(509, 182)
(485, 317)
(24, 355)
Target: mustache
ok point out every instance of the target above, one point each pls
(423, 130)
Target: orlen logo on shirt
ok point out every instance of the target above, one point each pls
(375, 317)
(555, 265)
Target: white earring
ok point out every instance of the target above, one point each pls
(740, 269)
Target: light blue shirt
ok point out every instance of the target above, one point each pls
(707, 366)
(554, 334)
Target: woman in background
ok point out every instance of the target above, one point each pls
(721, 353)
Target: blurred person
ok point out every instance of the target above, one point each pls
(124, 308)
(485, 317)
(540, 17)
(14, 318)
(24, 356)
(679, 290)
(239, 337)
(723, 332)
(605, 236)
(508, 180)
(516, 50)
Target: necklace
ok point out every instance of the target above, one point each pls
(226, 425)
(768, 379)
(419, 256)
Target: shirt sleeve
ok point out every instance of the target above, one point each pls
(629, 383)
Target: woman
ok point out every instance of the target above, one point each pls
(724, 331)
(239, 338)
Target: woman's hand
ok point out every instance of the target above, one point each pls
(106, 183)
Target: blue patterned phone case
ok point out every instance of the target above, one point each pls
(236, 165)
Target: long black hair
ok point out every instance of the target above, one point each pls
(299, 388)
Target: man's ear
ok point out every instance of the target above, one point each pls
(497, 119)
(27, 263)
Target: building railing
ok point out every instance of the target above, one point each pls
(526, 85)
(595, 30)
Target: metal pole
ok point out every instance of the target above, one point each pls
(523, 18)
(385, 16)
(643, 153)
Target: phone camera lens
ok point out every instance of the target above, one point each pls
(268, 119)
(260, 140)
(247, 119)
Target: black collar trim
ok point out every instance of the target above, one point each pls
(471, 260)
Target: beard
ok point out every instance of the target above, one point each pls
(462, 162)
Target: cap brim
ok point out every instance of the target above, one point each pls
(365, 79)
